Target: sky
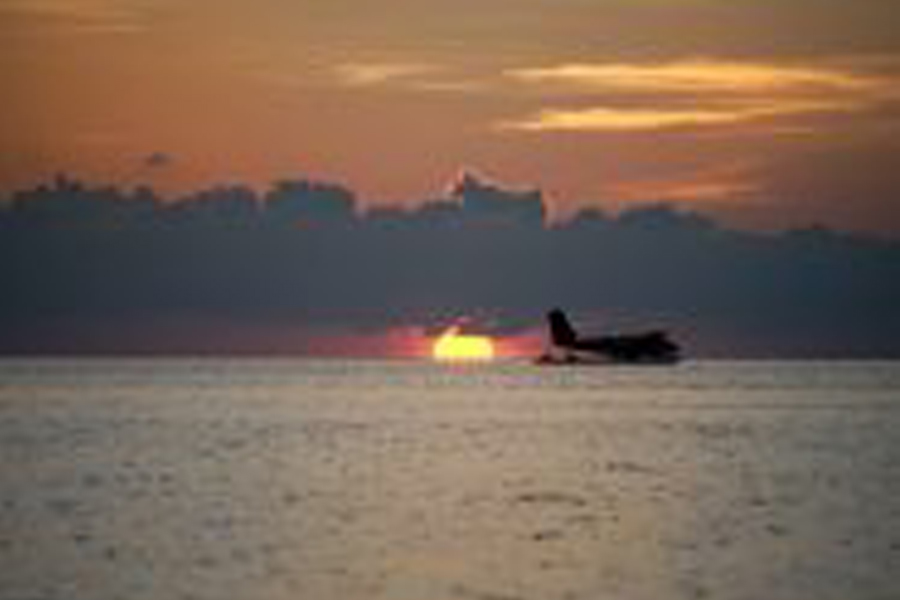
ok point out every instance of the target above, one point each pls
(765, 113)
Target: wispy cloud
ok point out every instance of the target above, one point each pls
(617, 119)
(406, 76)
(684, 94)
(718, 183)
(700, 75)
(80, 16)
(358, 74)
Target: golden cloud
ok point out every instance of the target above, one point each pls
(615, 119)
(81, 16)
(720, 93)
(690, 76)
(405, 76)
(373, 74)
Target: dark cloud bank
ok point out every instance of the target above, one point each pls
(98, 270)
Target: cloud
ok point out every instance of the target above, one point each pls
(406, 76)
(156, 160)
(700, 75)
(695, 93)
(616, 119)
(682, 94)
(356, 74)
(221, 270)
(81, 16)
(726, 80)
(712, 186)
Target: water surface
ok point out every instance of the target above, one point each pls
(292, 479)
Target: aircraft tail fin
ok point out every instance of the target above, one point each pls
(561, 332)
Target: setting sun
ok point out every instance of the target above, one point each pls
(451, 346)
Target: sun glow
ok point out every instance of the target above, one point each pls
(453, 347)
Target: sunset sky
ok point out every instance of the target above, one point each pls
(763, 112)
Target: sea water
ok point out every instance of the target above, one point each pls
(332, 480)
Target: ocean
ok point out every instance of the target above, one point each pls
(257, 479)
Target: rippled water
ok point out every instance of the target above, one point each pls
(241, 479)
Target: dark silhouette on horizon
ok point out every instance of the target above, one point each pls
(100, 269)
(568, 347)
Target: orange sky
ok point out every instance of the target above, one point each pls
(764, 113)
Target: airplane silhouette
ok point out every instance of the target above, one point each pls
(567, 347)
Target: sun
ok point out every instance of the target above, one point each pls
(453, 347)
